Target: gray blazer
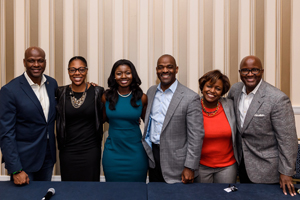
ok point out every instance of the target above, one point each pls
(181, 135)
(268, 139)
(228, 107)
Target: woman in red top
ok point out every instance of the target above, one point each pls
(218, 156)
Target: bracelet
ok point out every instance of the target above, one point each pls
(17, 172)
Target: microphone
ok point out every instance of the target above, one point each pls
(49, 194)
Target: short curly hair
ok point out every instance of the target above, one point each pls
(213, 76)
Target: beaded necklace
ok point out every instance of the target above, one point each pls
(210, 113)
(125, 95)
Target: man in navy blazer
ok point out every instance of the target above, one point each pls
(27, 115)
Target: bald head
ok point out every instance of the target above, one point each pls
(166, 71)
(171, 58)
(254, 59)
(251, 72)
(29, 51)
(35, 63)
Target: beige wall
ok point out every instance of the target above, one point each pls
(201, 34)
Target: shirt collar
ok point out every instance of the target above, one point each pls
(253, 91)
(44, 79)
(172, 88)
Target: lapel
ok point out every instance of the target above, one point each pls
(151, 95)
(236, 105)
(177, 96)
(30, 93)
(229, 118)
(51, 97)
(226, 110)
(255, 105)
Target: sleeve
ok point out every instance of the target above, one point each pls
(195, 133)
(8, 112)
(230, 94)
(283, 123)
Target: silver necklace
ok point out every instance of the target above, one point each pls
(126, 95)
(76, 103)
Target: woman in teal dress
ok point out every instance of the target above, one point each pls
(124, 158)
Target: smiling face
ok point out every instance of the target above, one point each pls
(212, 93)
(77, 78)
(35, 63)
(166, 71)
(251, 80)
(123, 76)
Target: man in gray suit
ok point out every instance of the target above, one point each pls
(174, 131)
(266, 133)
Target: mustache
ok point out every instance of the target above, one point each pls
(165, 73)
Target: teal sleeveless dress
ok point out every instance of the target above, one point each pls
(124, 157)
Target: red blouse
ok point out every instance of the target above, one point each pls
(217, 150)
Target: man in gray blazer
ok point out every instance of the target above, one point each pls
(266, 133)
(174, 131)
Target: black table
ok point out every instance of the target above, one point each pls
(140, 191)
(215, 192)
(74, 190)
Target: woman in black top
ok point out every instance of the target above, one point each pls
(79, 125)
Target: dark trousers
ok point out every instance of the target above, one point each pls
(243, 173)
(45, 173)
(155, 174)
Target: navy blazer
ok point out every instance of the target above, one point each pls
(23, 126)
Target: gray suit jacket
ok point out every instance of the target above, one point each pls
(181, 135)
(228, 107)
(268, 139)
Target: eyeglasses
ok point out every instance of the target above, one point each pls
(253, 71)
(81, 70)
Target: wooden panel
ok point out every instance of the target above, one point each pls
(168, 26)
(270, 41)
(219, 35)
(234, 44)
(2, 45)
(285, 47)
(192, 46)
(118, 30)
(19, 36)
(143, 44)
(295, 52)
(44, 30)
(93, 40)
(208, 35)
(244, 28)
(68, 37)
(60, 67)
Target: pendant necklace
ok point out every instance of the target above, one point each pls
(76, 103)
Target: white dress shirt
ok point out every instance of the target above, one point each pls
(245, 102)
(41, 93)
(159, 110)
